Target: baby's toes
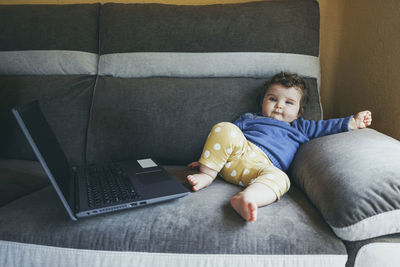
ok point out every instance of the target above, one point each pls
(192, 179)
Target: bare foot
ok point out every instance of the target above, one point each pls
(199, 180)
(245, 205)
(202, 179)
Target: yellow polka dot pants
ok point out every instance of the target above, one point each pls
(240, 161)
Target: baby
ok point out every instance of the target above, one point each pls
(257, 149)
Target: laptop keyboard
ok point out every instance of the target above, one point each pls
(107, 185)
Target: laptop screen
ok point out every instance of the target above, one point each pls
(46, 146)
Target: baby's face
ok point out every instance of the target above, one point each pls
(281, 103)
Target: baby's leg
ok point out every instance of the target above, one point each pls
(263, 190)
(224, 140)
(256, 195)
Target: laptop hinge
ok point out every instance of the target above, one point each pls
(74, 197)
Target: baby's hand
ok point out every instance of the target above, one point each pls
(194, 164)
(363, 119)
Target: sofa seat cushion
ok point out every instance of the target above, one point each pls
(200, 223)
(19, 178)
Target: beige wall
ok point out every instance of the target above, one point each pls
(360, 53)
(368, 74)
(332, 13)
(360, 50)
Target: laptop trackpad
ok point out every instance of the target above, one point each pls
(152, 177)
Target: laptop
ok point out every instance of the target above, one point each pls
(95, 189)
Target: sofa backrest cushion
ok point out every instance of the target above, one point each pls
(167, 73)
(48, 53)
(49, 27)
(275, 26)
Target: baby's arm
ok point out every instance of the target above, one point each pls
(361, 120)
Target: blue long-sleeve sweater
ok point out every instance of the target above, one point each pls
(280, 140)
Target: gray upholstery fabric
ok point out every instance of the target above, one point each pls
(354, 247)
(46, 62)
(65, 101)
(197, 65)
(168, 118)
(268, 26)
(200, 223)
(19, 178)
(354, 180)
(49, 27)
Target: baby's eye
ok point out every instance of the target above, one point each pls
(272, 99)
(289, 103)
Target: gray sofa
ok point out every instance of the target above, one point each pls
(123, 81)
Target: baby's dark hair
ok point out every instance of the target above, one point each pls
(288, 80)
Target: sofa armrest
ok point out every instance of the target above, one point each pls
(353, 179)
